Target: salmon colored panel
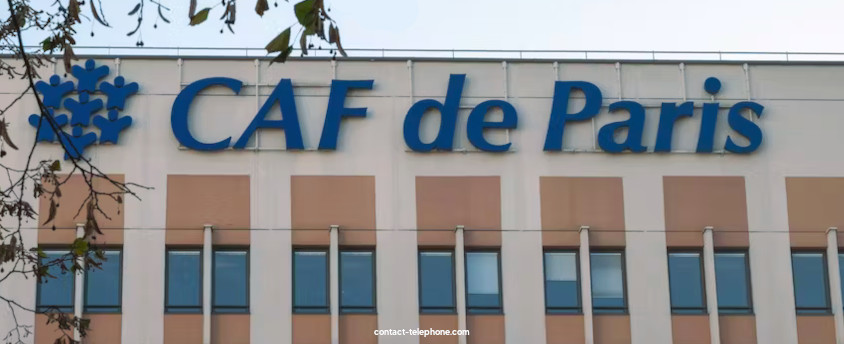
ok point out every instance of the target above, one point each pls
(74, 192)
(737, 329)
(438, 322)
(182, 328)
(485, 329)
(443, 203)
(814, 205)
(815, 329)
(693, 203)
(230, 329)
(104, 329)
(611, 328)
(196, 200)
(317, 202)
(358, 328)
(564, 329)
(311, 329)
(567, 203)
(46, 334)
(690, 329)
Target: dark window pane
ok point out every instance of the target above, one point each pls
(436, 281)
(686, 282)
(102, 292)
(310, 281)
(732, 283)
(607, 282)
(562, 290)
(841, 272)
(357, 281)
(810, 284)
(58, 291)
(231, 281)
(482, 282)
(184, 281)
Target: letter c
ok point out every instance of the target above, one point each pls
(181, 107)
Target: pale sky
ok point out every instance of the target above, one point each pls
(712, 25)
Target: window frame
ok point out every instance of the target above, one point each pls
(119, 307)
(356, 309)
(749, 310)
(812, 310)
(562, 310)
(235, 309)
(610, 310)
(316, 309)
(61, 308)
(703, 305)
(437, 310)
(189, 309)
(483, 309)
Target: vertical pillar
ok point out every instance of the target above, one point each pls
(586, 285)
(207, 251)
(460, 281)
(79, 284)
(334, 283)
(835, 283)
(711, 287)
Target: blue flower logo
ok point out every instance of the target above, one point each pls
(84, 110)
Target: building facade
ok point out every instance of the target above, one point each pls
(471, 195)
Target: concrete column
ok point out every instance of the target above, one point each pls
(835, 283)
(207, 251)
(460, 281)
(710, 284)
(586, 285)
(79, 285)
(334, 283)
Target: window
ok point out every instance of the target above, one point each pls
(841, 271)
(184, 281)
(231, 281)
(810, 282)
(310, 281)
(733, 282)
(483, 282)
(436, 282)
(357, 282)
(608, 282)
(562, 285)
(686, 283)
(103, 284)
(56, 292)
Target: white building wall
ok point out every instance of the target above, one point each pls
(801, 124)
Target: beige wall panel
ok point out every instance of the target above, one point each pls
(317, 202)
(815, 329)
(358, 328)
(438, 322)
(737, 329)
(611, 328)
(443, 203)
(571, 202)
(485, 329)
(230, 329)
(814, 205)
(219, 200)
(182, 328)
(311, 329)
(74, 191)
(690, 329)
(564, 329)
(105, 329)
(694, 202)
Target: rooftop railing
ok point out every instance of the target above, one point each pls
(621, 55)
